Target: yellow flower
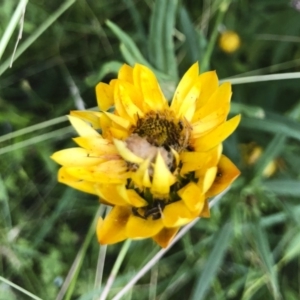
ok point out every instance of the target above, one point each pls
(251, 154)
(156, 164)
(229, 41)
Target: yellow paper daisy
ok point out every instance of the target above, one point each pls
(155, 163)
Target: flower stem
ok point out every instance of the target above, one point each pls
(213, 38)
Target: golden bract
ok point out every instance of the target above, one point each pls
(155, 163)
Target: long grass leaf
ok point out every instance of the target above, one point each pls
(34, 36)
(213, 263)
(12, 25)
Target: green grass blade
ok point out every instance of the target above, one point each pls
(283, 187)
(12, 25)
(213, 263)
(161, 44)
(128, 43)
(34, 36)
(191, 38)
(274, 124)
(111, 67)
(263, 248)
(17, 287)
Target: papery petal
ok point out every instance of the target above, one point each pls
(104, 94)
(126, 153)
(192, 196)
(205, 213)
(112, 193)
(217, 136)
(132, 111)
(118, 120)
(82, 128)
(91, 117)
(227, 172)
(134, 199)
(113, 228)
(162, 177)
(219, 98)
(165, 236)
(97, 145)
(138, 227)
(207, 179)
(210, 84)
(78, 184)
(177, 214)
(76, 157)
(125, 73)
(184, 87)
(141, 176)
(145, 79)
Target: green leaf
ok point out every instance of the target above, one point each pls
(283, 187)
(107, 68)
(273, 123)
(191, 39)
(213, 263)
(161, 44)
(133, 54)
(263, 248)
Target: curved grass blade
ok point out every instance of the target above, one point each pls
(213, 263)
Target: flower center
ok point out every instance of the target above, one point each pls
(161, 129)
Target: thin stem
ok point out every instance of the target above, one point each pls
(19, 288)
(115, 269)
(213, 38)
(162, 252)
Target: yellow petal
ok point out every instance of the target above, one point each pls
(129, 106)
(75, 157)
(126, 153)
(217, 135)
(111, 193)
(192, 196)
(210, 84)
(118, 120)
(207, 179)
(162, 177)
(98, 145)
(205, 213)
(120, 134)
(81, 185)
(193, 161)
(108, 172)
(125, 73)
(113, 228)
(141, 176)
(177, 214)
(184, 87)
(138, 227)
(165, 236)
(219, 98)
(104, 94)
(88, 116)
(145, 79)
(211, 121)
(134, 199)
(226, 174)
(82, 128)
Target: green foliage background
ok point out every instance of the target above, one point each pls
(250, 247)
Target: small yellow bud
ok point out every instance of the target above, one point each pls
(229, 41)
